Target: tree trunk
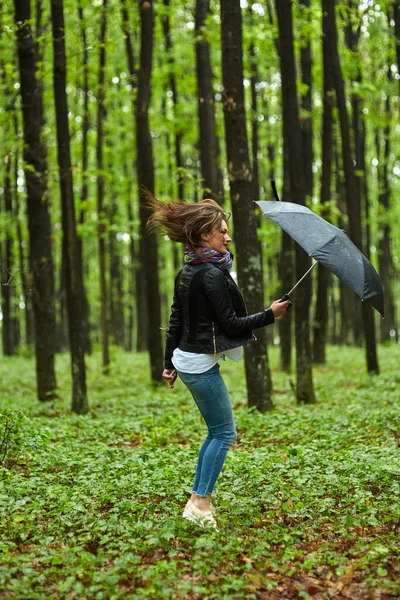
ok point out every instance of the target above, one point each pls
(172, 85)
(142, 317)
(351, 187)
(28, 312)
(132, 270)
(74, 279)
(396, 18)
(291, 123)
(254, 79)
(35, 156)
(117, 316)
(7, 271)
(385, 259)
(101, 212)
(148, 247)
(85, 160)
(248, 248)
(209, 146)
(321, 307)
(306, 106)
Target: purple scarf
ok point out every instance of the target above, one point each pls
(203, 254)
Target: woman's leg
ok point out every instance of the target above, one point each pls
(212, 398)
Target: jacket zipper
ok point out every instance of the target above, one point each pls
(214, 341)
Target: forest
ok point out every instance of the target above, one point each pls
(238, 101)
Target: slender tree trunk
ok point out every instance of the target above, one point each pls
(321, 307)
(117, 312)
(291, 121)
(286, 257)
(396, 18)
(173, 86)
(132, 270)
(248, 248)
(351, 187)
(209, 146)
(35, 156)
(306, 105)
(74, 279)
(7, 268)
(145, 172)
(385, 259)
(28, 312)
(254, 79)
(142, 317)
(85, 162)
(101, 211)
(286, 267)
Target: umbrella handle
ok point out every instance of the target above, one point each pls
(284, 298)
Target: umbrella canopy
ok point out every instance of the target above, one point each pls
(329, 246)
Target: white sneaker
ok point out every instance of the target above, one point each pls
(202, 518)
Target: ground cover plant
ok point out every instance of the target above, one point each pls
(308, 502)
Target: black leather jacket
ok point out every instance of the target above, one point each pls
(208, 314)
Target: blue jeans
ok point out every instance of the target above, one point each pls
(212, 398)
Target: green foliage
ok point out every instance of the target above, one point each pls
(11, 437)
(308, 499)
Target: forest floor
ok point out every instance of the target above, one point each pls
(308, 502)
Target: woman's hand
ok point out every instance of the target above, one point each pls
(279, 308)
(170, 376)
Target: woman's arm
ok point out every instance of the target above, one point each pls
(217, 292)
(174, 329)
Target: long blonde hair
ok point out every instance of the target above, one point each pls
(184, 222)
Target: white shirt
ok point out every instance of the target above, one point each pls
(194, 363)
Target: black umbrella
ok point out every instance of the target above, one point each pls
(329, 246)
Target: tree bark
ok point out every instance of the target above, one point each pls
(248, 248)
(172, 84)
(148, 247)
(74, 279)
(142, 317)
(28, 311)
(291, 123)
(209, 145)
(352, 189)
(85, 162)
(396, 18)
(101, 211)
(117, 312)
(323, 277)
(306, 105)
(385, 258)
(35, 156)
(7, 271)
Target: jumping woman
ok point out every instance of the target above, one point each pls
(208, 321)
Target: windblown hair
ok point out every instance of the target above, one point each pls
(185, 222)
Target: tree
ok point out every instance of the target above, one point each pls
(6, 270)
(321, 305)
(101, 213)
(396, 18)
(351, 188)
(85, 161)
(209, 142)
(35, 157)
(173, 87)
(248, 248)
(291, 124)
(73, 267)
(139, 273)
(145, 175)
(385, 257)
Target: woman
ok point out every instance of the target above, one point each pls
(208, 322)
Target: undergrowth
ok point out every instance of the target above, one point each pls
(308, 501)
